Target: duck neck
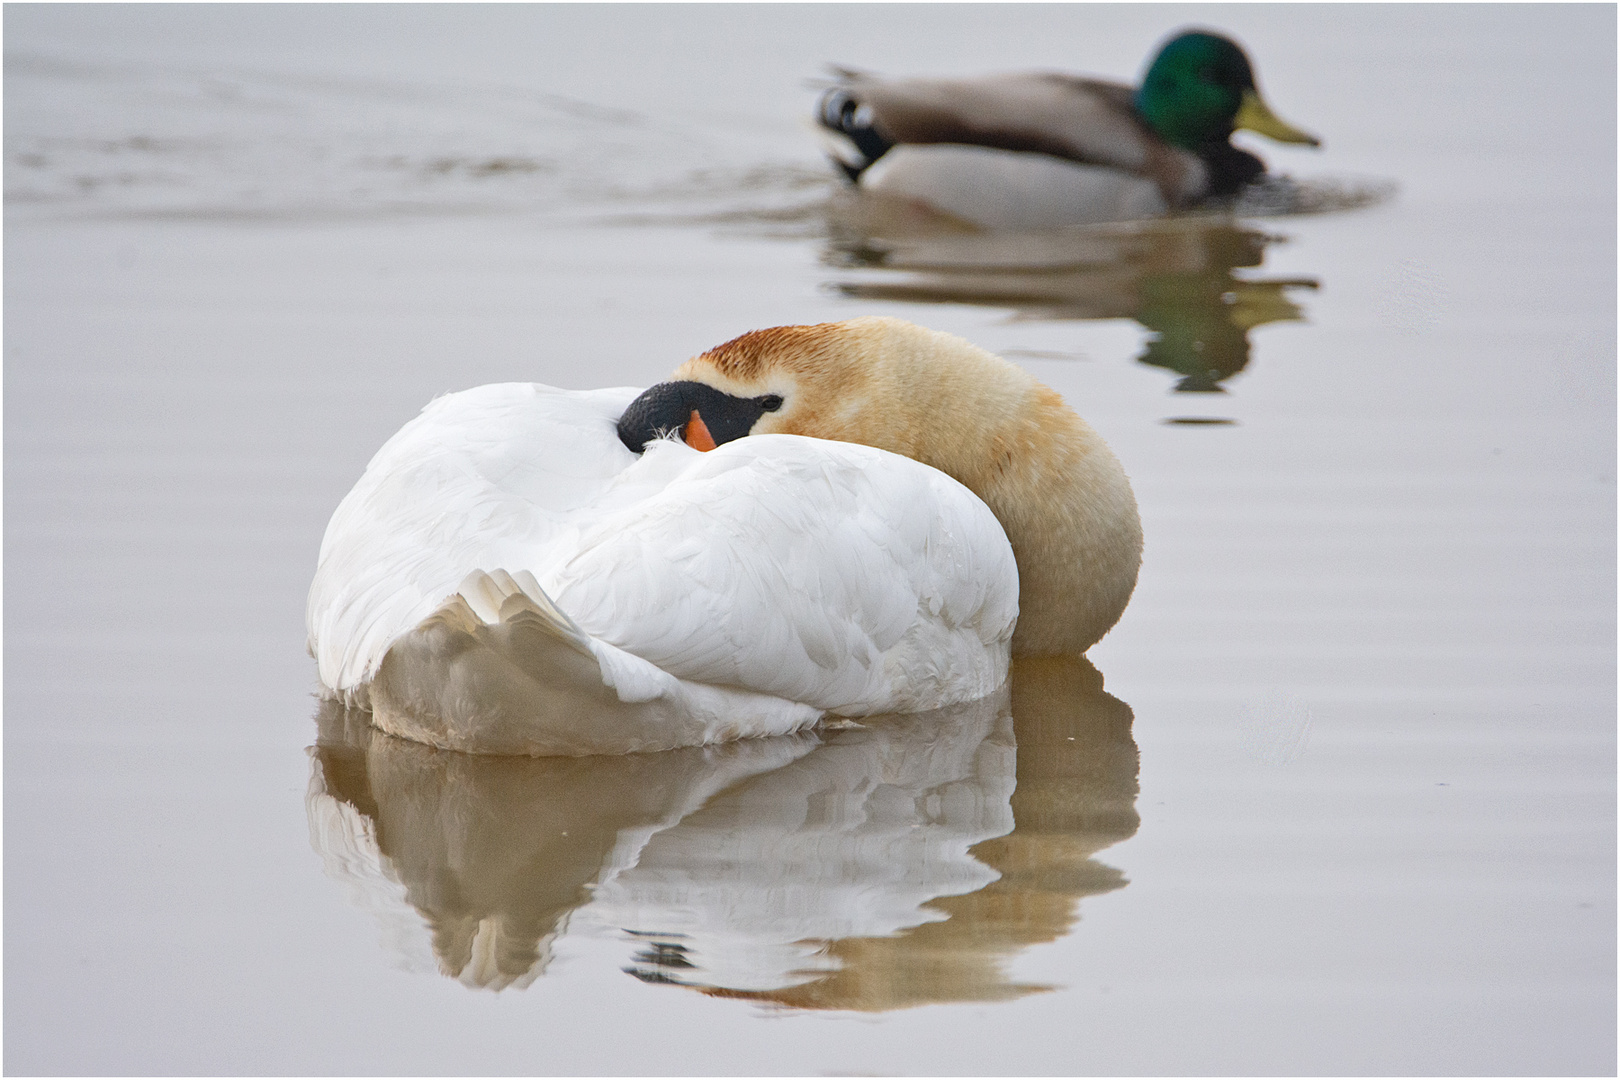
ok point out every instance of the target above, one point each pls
(1229, 168)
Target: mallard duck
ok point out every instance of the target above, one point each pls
(1038, 149)
(528, 570)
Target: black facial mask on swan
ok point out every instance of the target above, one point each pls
(696, 412)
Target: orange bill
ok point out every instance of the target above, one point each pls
(697, 433)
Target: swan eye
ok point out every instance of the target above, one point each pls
(770, 402)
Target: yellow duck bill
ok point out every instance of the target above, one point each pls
(1255, 115)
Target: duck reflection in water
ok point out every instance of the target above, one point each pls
(870, 867)
(1176, 277)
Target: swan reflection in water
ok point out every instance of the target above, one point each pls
(1177, 277)
(871, 867)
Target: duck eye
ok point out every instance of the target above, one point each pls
(771, 402)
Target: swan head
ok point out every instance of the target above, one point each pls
(700, 415)
(1053, 483)
(824, 381)
(878, 381)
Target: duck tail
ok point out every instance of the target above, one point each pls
(862, 143)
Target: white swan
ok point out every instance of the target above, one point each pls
(509, 576)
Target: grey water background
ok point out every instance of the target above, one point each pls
(1371, 660)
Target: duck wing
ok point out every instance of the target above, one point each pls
(1079, 119)
(1089, 121)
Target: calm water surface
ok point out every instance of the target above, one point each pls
(1336, 796)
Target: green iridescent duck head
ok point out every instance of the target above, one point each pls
(1200, 88)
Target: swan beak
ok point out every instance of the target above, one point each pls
(1255, 115)
(697, 434)
(701, 415)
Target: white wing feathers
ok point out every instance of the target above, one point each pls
(535, 587)
(483, 479)
(800, 567)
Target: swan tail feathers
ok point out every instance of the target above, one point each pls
(500, 669)
(496, 597)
